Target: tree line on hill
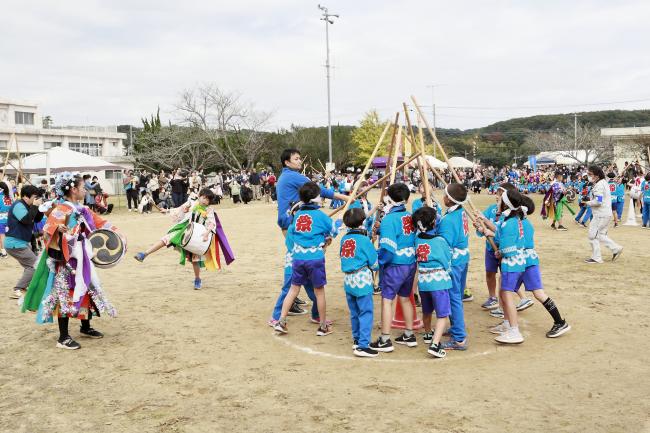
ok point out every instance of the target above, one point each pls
(215, 129)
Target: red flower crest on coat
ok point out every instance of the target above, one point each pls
(348, 248)
(423, 252)
(407, 225)
(303, 223)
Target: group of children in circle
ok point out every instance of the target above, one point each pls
(423, 245)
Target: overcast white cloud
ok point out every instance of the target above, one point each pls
(111, 62)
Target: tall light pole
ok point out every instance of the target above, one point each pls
(327, 17)
(575, 130)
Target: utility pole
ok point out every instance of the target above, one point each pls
(327, 17)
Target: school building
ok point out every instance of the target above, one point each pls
(34, 135)
(625, 149)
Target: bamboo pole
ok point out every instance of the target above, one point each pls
(353, 193)
(389, 160)
(368, 188)
(4, 167)
(420, 148)
(422, 159)
(393, 172)
(474, 211)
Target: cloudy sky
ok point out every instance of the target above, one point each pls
(111, 62)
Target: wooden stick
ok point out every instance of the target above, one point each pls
(474, 211)
(382, 188)
(385, 176)
(393, 172)
(423, 173)
(322, 166)
(421, 161)
(4, 168)
(365, 169)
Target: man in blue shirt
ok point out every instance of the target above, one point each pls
(287, 188)
(20, 223)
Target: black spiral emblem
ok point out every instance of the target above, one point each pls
(108, 248)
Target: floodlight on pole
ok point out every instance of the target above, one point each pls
(327, 17)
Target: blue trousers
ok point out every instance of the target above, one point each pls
(619, 209)
(360, 318)
(457, 318)
(645, 215)
(584, 215)
(283, 294)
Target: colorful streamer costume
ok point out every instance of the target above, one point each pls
(196, 212)
(65, 283)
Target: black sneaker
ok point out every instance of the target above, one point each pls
(365, 352)
(437, 351)
(382, 347)
(91, 332)
(68, 344)
(355, 344)
(299, 302)
(376, 290)
(558, 329)
(295, 310)
(561, 228)
(617, 255)
(553, 226)
(467, 296)
(408, 341)
(417, 300)
(427, 337)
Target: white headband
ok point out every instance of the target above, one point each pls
(451, 198)
(507, 201)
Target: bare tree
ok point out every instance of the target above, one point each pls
(585, 147)
(232, 130)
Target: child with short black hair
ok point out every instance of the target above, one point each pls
(454, 228)
(309, 234)
(397, 266)
(358, 260)
(434, 263)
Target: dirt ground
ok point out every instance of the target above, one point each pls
(180, 360)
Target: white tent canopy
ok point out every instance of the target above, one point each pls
(59, 159)
(460, 162)
(435, 162)
(561, 157)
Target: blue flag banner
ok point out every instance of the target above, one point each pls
(532, 161)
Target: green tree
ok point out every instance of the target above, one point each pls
(365, 137)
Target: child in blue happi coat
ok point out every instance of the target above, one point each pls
(617, 191)
(310, 232)
(397, 266)
(454, 228)
(509, 238)
(532, 277)
(434, 264)
(358, 260)
(645, 201)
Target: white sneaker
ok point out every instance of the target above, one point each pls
(511, 336)
(16, 294)
(500, 328)
(524, 304)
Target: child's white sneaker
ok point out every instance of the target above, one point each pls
(511, 336)
(500, 328)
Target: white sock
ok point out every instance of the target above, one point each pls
(506, 323)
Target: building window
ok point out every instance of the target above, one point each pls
(92, 149)
(51, 144)
(113, 175)
(24, 118)
(3, 144)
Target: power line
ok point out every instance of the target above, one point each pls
(522, 107)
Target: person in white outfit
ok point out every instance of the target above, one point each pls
(600, 202)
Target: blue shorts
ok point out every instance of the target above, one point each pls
(3, 228)
(532, 279)
(437, 301)
(491, 262)
(397, 280)
(509, 281)
(308, 271)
